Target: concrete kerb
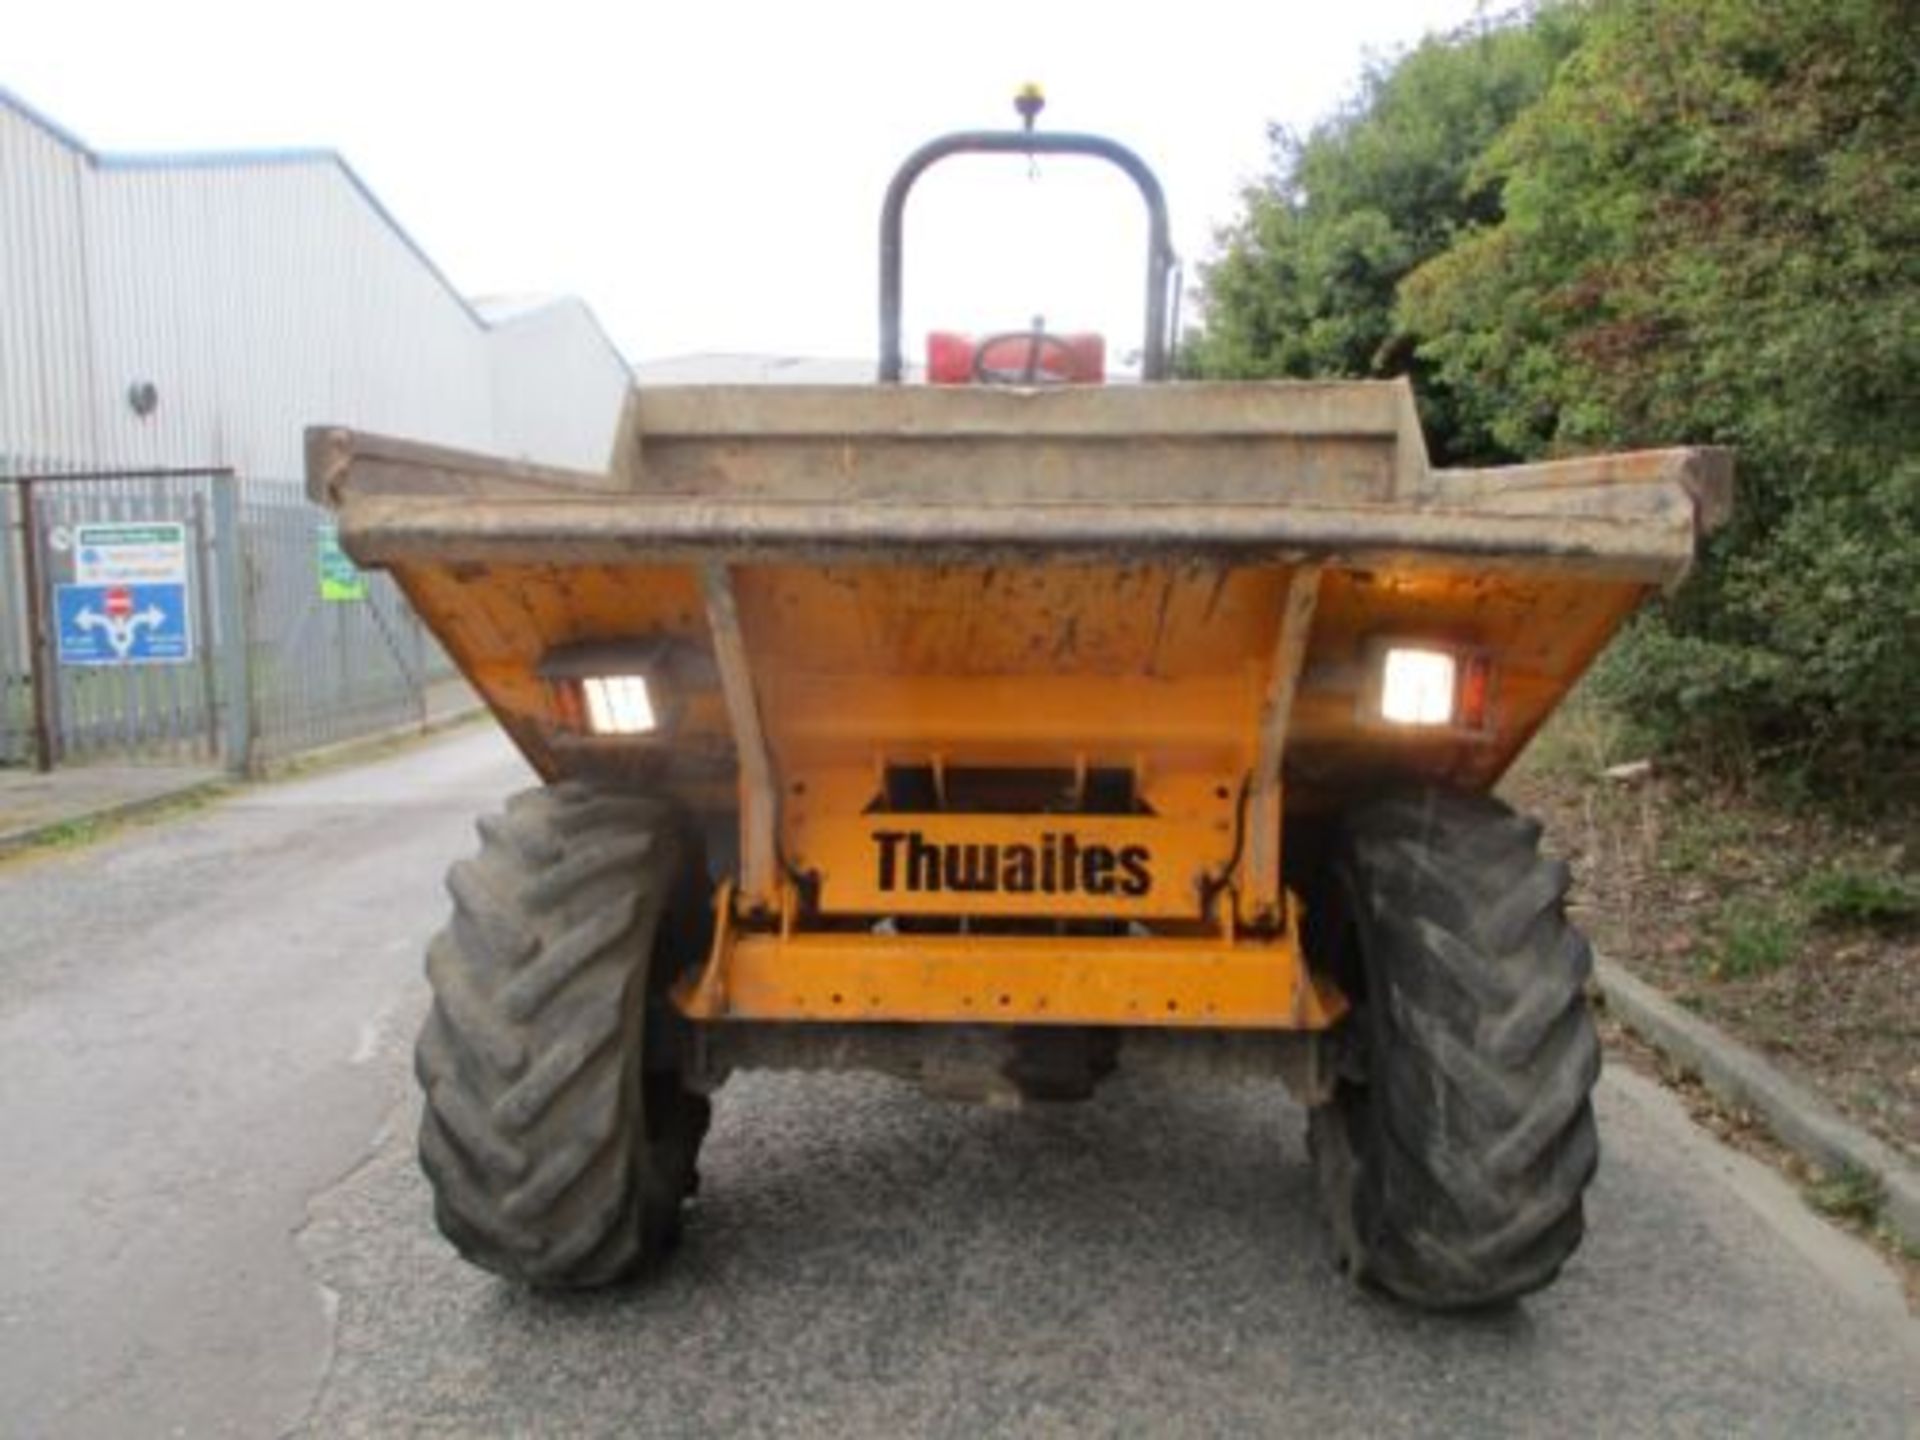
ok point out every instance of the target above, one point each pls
(29, 837)
(346, 752)
(1800, 1120)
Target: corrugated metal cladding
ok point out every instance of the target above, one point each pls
(256, 295)
(46, 370)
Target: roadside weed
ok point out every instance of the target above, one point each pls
(1704, 841)
(1849, 1194)
(1845, 895)
(1753, 937)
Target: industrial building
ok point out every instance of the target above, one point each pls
(197, 312)
(202, 309)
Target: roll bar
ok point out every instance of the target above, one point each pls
(1154, 358)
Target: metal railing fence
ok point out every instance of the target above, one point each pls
(16, 686)
(323, 670)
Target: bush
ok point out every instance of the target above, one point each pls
(1709, 237)
(1630, 223)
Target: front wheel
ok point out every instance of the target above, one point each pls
(559, 1146)
(1454, 1153)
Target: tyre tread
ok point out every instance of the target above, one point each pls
(539, 1135)
(1456, 1174)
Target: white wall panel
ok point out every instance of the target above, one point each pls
(558, 386)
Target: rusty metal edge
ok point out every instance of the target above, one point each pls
(387, 529)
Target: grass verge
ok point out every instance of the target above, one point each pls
(1794, 928)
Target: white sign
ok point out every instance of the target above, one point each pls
(151, 553)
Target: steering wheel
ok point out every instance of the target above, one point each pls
(1040, 344)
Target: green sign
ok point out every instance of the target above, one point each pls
(340, 578)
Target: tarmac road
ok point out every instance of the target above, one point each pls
(210, 1222)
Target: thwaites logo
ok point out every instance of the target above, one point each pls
(1059, 864)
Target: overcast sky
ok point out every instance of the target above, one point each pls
(708, 176)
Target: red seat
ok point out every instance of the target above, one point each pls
(1078, 359)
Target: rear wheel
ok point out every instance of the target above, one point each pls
(558, 1134)
(1454, 1153)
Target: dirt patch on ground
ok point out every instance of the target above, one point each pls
(1793, 930)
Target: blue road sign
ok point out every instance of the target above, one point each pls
(123, 624)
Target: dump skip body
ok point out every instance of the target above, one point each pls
(925, 642)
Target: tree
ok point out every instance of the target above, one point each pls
(1304, 282)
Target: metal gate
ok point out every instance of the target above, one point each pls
(182, 615)
(128, 595)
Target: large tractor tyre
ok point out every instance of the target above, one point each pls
(559, 1148)
(1460, 1137)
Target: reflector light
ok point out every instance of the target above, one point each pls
(1476, 683)
(618, 705)
(1417, 687)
